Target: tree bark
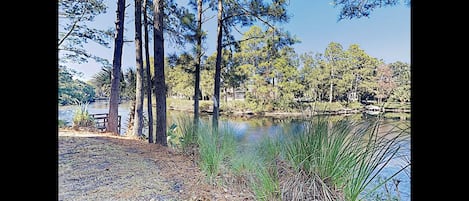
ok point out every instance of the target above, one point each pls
(330, 90)
(160, 88)
(131, 120)
(139, 94)
(226, 94)
(216, 93)
(116, 69)
(149, 78)
(234, 93)
(197, 65)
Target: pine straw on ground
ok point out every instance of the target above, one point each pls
(100, 166)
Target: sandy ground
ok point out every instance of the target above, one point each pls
(99, 166)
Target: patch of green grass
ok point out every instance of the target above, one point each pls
(266, 183)
(397, 105)
(205, 105)
(326, 106)
(393, 115)
(184, 104)
(236, 105)
(244, 163)
(215, 148)
(210, 156)
(354, 105)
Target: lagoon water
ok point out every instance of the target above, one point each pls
(251, 130)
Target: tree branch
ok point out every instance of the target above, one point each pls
(207, 19)
(71, 30)
(203, 11)
(76, 51)
(243, 40)
(237, 30)
(231, 16)
(247, 12)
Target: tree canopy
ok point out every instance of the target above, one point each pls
(350, 9)
(73, 91)
(74, 30)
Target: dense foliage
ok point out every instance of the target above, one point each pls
(74, 19)
(101, 82)
(272, 76)
(73, 91)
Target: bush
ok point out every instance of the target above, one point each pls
(397, 105)
(233, 106)
(354, 105)
(326, 106)
(345, 155)
(81, 117)
(205, 105)
(62, 123)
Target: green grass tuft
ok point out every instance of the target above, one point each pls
(81, 117)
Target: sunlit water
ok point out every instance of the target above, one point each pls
(249, 130)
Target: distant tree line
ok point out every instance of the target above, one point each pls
(280, 81)
(73, 91)
(262, 63)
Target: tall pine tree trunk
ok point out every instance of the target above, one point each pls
(131, 120)
(148, 75)
(216, 93)
(197, 65)
(139, 94)
(330, 90)
(225, 89)
(160, 88)
(234, 93)
(116, 69)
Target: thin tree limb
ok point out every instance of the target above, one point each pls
(71, 30)
(207, 19)
(243, 40)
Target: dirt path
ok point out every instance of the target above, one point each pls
(95, 166)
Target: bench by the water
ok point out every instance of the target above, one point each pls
(102, 119)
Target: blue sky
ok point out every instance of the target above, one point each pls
(385, 35)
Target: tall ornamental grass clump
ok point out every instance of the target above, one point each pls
(345, 155)
(82, 118)
(215, 148)
(187, 134)
(265, 183)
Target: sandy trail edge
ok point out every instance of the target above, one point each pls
(102, 166)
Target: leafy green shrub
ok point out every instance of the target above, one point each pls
(174, 140)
